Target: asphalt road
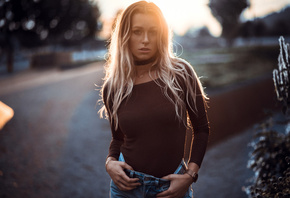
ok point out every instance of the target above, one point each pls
(55, 145)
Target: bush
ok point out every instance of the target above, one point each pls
(270, 158)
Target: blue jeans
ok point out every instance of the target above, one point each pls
(150, 187)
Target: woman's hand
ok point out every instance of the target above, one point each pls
(179, 185)
(116, 171)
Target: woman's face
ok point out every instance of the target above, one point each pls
(143, 39)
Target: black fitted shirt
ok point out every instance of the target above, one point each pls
(149, 134)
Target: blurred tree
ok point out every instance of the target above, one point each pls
(246, 29)
(204, 32)
(228, 12)
(260, 29)
(33, 23)
(255, 28)
(194, 32)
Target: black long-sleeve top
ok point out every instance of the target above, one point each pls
(149, 134)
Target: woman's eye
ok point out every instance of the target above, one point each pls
(153, 32)
(138, 32)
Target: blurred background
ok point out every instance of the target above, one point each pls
(52, 53)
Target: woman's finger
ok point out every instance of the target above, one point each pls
(127, 186)
(124, 187)
(131, 182)
(168, 177)
(128, 179)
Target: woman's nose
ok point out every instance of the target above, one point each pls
(145, 38)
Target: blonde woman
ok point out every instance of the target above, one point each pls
(148, 95)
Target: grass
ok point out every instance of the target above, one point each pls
(224, 66)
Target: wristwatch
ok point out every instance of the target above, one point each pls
(192, 174)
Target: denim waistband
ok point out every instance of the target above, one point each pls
(147, 179)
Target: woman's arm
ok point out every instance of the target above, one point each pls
(200, 126)
(117, 135)
(197, 113)
(180, 183)
(114, 167)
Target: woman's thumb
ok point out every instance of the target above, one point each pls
(167, 177)
(127, 166)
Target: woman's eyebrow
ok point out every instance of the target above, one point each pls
(137, 27)
(141, 27)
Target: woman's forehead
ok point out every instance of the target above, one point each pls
(144, 20)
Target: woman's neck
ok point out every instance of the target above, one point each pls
(143, 68)
(145, 73)
(144, 62)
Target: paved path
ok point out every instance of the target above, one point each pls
(56, 145)
(223, 173)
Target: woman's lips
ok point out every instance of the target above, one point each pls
(144, 50)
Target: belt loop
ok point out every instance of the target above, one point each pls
(157, 181)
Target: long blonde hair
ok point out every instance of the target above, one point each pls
(120, 69)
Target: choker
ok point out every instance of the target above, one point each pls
(144, 62)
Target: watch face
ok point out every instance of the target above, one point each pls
(195, 177)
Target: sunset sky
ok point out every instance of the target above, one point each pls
(183, 14)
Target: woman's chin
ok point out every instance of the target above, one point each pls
(143, 58)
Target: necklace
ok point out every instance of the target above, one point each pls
(145, 62)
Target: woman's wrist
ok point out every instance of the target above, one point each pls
(193, 166)
(193, 175)
(109, 159)
(188, 178)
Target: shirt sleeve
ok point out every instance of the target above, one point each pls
(117, 135)
(199, 120)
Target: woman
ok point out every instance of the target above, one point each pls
(148, 95)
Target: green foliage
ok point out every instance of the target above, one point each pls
(33, 23)
(270, 160)
(223, 66)
(36, 22)
(281, 75)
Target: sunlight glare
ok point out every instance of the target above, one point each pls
(180, 15)
(260, 8)
(183, 14)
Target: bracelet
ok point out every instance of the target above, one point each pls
(107, 162)
(189, 174)
(192, 174)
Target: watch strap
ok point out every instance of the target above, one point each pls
(193, 175)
